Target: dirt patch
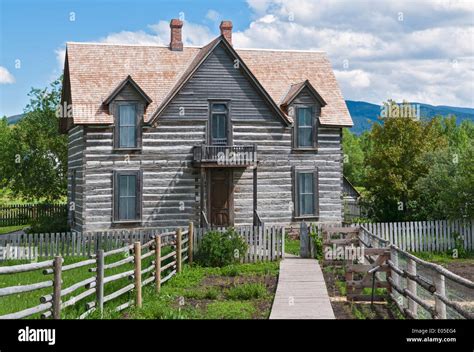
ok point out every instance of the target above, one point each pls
(335, 281)
(222, 283)
(464, 269)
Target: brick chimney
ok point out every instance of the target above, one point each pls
(176, 42)
(226, 30)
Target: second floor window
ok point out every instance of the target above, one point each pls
(219, 121)
(304, 127)
(127, 126)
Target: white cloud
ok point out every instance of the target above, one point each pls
(401, 50)
(213, 15)
(353, 78)
(193, 34)
(60, 57)
(5, 76)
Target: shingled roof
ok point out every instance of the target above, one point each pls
(95, 70)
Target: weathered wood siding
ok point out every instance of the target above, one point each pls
(76, 163)
(171, 186)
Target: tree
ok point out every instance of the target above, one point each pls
(34, 163)
(353, 158)
(395, 164)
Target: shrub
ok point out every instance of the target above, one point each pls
(318, 244)
(459, 251)
(219, 249)
(247, 291)
(49, 224)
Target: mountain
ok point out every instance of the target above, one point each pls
(364, 114)
(14, 119)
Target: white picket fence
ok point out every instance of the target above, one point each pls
(429, 236)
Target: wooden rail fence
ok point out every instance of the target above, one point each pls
(161, 269)
(420, 289)
(264, 244)
(22, 214)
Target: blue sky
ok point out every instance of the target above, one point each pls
(415, 50)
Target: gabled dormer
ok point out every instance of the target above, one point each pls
(127, 103)
(303, 104)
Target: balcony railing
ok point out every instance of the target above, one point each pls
(225, 155)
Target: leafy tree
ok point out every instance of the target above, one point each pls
(34, 163)
(353, 158)
(395, 164)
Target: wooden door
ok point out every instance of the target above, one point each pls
(220, 196)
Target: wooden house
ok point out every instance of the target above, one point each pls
(163, 135)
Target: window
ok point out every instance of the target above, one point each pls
(219, 123)
(127, 192)
(306, 191)
(304, 127)
(127, 129)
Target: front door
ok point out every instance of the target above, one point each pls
(220, 196)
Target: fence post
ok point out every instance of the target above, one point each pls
(178, 250)
(395, 277)
(57, 266)
(412, 305)
(99, 285)
(157, 263)
(440, 306)
(138, 273)
(304, 241)
(190, 242)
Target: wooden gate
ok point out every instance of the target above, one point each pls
(365, 266)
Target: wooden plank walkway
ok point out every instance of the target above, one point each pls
(301, 291)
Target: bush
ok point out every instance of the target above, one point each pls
(459, 251)
(219, 249)
(318, 244)
(49, 224)
(247, 291)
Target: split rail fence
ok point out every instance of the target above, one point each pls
(160, 269)
(161, 254)
(420, 289)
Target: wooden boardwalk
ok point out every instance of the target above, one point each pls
(301, 291)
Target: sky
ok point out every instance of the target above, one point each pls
(413, 50)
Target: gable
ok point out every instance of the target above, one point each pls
(220, 77)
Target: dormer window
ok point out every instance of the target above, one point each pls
(127, 103)
(127, 125)
(305, 127)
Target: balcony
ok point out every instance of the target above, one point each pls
(225, 155)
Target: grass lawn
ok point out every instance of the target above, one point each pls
(17, 302)
(242, 291)
(8, 229)
(461, 266)
(292, 246)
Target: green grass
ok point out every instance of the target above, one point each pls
(8, 229)
(247, 292)
(17, 302)
(443, 257)
(235, 291)
(292, 246)
(209, 293)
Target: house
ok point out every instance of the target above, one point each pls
(351, 199)
(163, 135)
